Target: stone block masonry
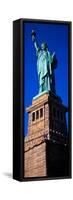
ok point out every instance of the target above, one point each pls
(47, 132)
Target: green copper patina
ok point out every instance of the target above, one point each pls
(46, 63)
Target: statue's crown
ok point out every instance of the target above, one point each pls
(44, 45)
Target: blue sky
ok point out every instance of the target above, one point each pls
(56, 36)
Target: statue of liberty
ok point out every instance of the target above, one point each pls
(46, 63)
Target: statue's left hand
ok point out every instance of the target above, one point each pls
(53, 55)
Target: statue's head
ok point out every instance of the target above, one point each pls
(44, 46)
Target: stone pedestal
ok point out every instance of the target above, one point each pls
(46, 127)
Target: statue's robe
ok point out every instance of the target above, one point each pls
(43, 61)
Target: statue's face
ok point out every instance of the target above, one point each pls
(43, 46)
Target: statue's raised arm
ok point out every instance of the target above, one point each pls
(33, 34)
